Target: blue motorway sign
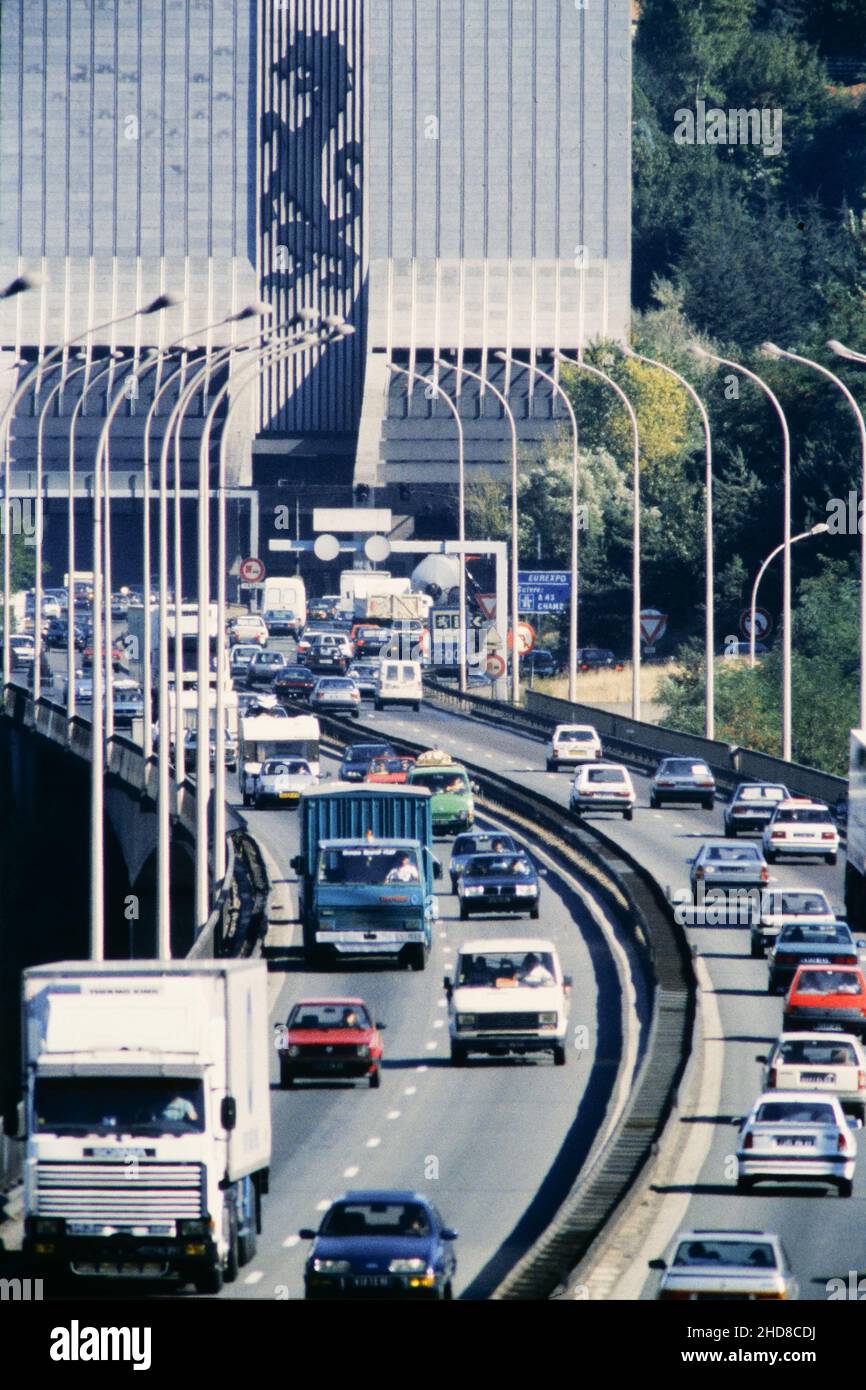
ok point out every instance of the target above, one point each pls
(542, 591)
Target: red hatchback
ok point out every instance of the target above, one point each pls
(329, 1038)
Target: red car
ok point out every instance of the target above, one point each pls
(391, 770)
(826, 996)
(329, 1038)
(118, 656)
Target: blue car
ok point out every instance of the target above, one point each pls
(477, 842)
(357, 758)
(381, 1245)
(498, 883)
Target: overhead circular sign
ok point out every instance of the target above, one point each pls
(525, 638)
(763, 623)
(377, 549)
(495, 666)
(252, 570)
(326, 548)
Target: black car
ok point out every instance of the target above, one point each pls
(498, 883)
(282, 622)
(294, 683)
(391, 1244)
(264, 669)
(597, 659)
(357, 759)
(539, 663)
(809, 943)
(57, 634)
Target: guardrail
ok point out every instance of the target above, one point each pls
(639, 903)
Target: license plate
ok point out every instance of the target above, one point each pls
(798, 836)
(819, 1078)
(289, 796)
(128, 1269)
(797, 1142)
(371, 1280)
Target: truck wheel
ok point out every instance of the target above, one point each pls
(232, 1261)
(246, 1248)
(416, 958)
(375, 1080)
(559, 1055)
(211, 1282)
(458, 1054)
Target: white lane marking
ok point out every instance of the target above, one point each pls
(374, 1142)
(290, 1242)
(324, 1204)
(442, 1003)
(422, 1066)
(255, 1276)
(410, 1090)
(439, 1023)
(352, 1171)
(443, 936)
(393, 1115)
(678, 825)
(431, 1046)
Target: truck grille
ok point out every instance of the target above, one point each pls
(119, 1192)
(506, 1023)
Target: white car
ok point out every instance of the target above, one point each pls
(796, 1136)
(508, 996)
(281, 782)
(248, 627)
(801, 827)
(603, 787)
(781, 907)
(714, 1264)
(399, 683)
(571, 744)
(832, 1063)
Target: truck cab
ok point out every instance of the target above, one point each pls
(450, 788)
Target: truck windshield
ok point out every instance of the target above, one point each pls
(500, 970)
(450, 781)
(371, 865)
(118, 1105)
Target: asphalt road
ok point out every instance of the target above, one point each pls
(823, 1233)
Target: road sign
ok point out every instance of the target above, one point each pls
(487, 604)
(542, 591)
(525, 638)
(252, 570)
(653, 626)
(495, 666)
(763, 623)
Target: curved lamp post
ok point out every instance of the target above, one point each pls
(803, 536)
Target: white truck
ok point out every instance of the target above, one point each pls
(357, 585)
(264, 736)
(287, 594)
(142, 637)
(148, 1125)
(508, 996)
(855, 854)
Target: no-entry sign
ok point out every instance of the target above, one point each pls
(252, 570)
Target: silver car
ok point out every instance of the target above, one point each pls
(719, 864)
(713, 1264)
(752, 805)
(281, 782)
(780, 907)
(683, 779)
(796, 1136)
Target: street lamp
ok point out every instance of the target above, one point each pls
(710, 635)
(804, 535)
(575, 461)
(512, 424)
(411, 378)
(704, 355)
(635, 584)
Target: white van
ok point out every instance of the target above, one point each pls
(399, 683)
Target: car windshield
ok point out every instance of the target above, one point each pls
(483, 844)
(269, 659)
(732, 854)
(814, 1052)
(818, 934)
(498, 866)
(604, 774)
(505, 969)
(795, 1112)
(372, 865)
(363, 752)
(325, 1016)
(376, 1219)
(761, 794)
(732, 1254)
(802, 816)
(829, 982)
(278, 768)
(390, 765)
(798, 904)
(450, 781)
(119, 1105)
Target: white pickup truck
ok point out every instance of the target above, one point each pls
(508, 996)
(832, 1062)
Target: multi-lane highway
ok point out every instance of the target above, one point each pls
(823, 1234)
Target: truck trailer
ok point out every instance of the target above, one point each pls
(148, 1126)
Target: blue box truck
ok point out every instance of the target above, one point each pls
(366, 872)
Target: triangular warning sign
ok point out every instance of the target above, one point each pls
(487, 604)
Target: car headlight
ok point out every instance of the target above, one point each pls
(548, 1020)
(525, 890)
(466, 1020)
(408, 1266)
(473, 890)
(331, 1266)
(363, 1050)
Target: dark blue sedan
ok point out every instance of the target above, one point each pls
(381, 1245)
(498, 883)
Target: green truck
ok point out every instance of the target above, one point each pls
(450, 788)
(366, 873)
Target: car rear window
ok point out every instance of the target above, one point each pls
(803, 1051)
(805, 816)
(576, 736)
(829, 982)
(761, 794)
(795, 1112)
(604, 774)
(734, 1254)
(732, 854)
(824, 934)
